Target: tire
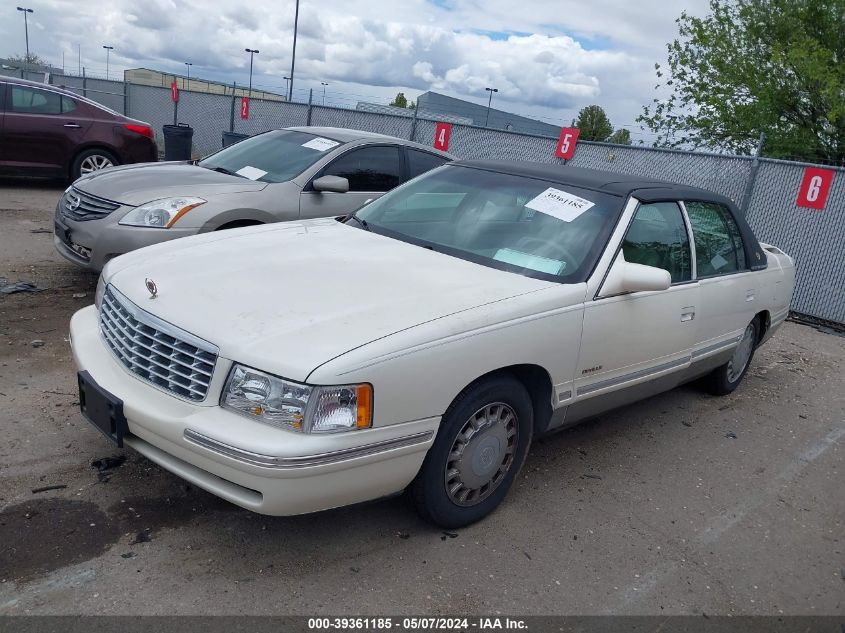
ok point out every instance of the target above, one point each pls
(726, 379)
(91, 160)
(489, 425)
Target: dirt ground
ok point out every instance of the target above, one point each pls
(682, 504)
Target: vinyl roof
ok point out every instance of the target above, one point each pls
(647, 189)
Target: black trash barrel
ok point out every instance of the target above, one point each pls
(177, 142)
(230, 138)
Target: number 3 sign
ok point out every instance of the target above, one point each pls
(814, 188)
(566, 143)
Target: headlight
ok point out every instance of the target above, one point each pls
(161, 214)
(101, 288)
(291, 405)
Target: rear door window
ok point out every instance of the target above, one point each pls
(718, 244)
(34, 101)
(373, 168)
(421, 162)
(68, 105)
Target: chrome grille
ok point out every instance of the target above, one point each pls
(78, 205)
(156, 351)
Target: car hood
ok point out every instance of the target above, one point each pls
(137, 184)
(288, 297)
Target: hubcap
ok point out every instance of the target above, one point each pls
(94, 162)
(742, 354)
(482, 454)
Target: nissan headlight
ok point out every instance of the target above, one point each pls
(291, 405)
(161, 214)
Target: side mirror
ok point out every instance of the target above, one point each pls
(337, 184)
(625, 277)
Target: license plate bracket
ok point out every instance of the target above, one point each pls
(102, 409)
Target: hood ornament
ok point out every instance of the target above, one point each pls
(151, 286)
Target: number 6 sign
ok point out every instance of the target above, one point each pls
(566, 143)
(814, 188)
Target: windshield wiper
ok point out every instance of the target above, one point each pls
(223, 170)
(364, 224)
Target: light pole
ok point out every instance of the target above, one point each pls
(188, 64)
(491, 91)
(293, 56)
(26, 29)
(252, 52)
(324, 84)
(287, 79)
(109, 49)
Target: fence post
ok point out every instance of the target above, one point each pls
(84, 83)
(414, 124)
(752, 176)
(232, 111)
(175, 112)
(125, 98)
(310, 105)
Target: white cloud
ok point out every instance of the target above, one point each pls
(555, 59)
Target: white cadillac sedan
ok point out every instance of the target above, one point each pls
(425, 340)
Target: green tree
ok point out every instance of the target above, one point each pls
(593, 124)
(400, 101)
(622, 136)
(29, 60)
(412, 105)
(756, 66)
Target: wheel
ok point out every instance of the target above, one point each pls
(482, 443)
(726, 378)
(91, 160)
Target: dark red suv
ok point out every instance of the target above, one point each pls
(47, 131)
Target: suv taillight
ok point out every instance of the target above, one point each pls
(143, 130)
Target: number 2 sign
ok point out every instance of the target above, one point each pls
(566, 143)
(244, 107)
(814, 188)
(442, 132)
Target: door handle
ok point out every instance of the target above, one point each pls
(687, 314)
(74, 125)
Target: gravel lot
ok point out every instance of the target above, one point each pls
(682, 504)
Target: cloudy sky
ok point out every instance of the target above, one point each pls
(548, 59)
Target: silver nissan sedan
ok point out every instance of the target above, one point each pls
(290, 174)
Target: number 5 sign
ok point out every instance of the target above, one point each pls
(814, 188)
(566, 143)
(442, 132)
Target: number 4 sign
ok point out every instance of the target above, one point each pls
(566, 143)
(442, 132)
(814, 188)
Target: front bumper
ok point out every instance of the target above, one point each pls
(90, 244)
(258, 467)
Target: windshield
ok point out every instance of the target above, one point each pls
(532, 227)
(275, 156)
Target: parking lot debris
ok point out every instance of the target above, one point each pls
(446, 535)
(18, 286)
(108, 463)
(37, 343)
(128, 555)
(142, 537)
(80, 295)
(46, 488)
(403, 535)
(41, 231)
(730, 435)
(591, 476)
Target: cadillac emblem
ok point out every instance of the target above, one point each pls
(151, 286)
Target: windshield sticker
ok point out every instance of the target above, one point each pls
(320, 144)
(532, 262)
(559, 204)
(253, 173)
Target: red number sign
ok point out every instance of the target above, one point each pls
(566, 143)
(244, 107)
(814, 188)
(174, 91)
(441, 136)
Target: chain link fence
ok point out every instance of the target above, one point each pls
(767, 189)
